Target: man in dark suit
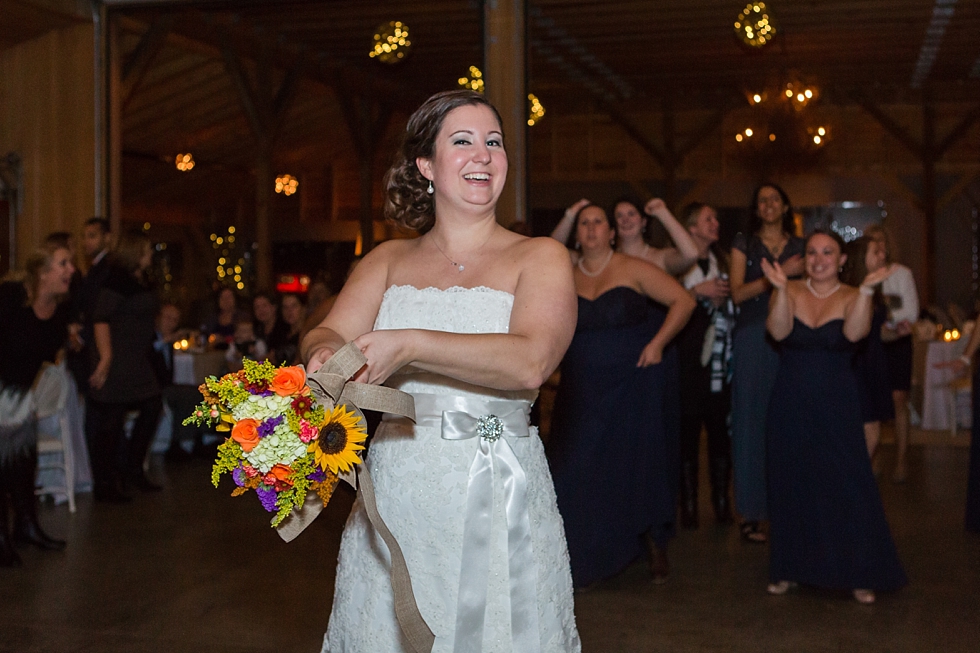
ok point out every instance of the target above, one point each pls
(96, 241)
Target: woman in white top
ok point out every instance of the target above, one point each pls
(902, 300)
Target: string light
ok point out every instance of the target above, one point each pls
(286, 184)
(536, 112)
(755, 25)
(185, 162)
(474, 82)
(391, 42)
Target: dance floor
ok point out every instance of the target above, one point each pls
(191, 569)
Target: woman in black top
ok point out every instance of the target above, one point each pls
(124, 379)
(33, 328)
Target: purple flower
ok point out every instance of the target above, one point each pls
(268, 426)
(238, 475)
(268, 498)
(317, 476)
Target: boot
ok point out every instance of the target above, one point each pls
(689, 495)
(8, 557)
(26, 528)
(721, 471)
(657, 560)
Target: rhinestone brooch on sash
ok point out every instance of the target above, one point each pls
(490, 428)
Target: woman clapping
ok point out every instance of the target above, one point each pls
(827, 524)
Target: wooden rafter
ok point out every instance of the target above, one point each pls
(136, 64)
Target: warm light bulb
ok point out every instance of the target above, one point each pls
(748, 132)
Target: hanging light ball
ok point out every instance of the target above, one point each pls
(286, 184)
(391, 43)
(755, 25)
(474, 82)
(185, 162)
(536, 111)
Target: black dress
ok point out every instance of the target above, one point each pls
(871, 364)
(828, 525)
(608, 450)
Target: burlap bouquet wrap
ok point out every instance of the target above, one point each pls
(331, 385)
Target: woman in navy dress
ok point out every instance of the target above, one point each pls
(827, 523)
(608, 448)
(754, 360)
(866, 255)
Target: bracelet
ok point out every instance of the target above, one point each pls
(866, 291)
(966, 360)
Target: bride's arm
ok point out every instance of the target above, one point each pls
(542, 323)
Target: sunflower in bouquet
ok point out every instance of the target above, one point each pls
(283, 445)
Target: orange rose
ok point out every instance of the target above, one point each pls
(281, 472)
(288, 381)
(246, 433)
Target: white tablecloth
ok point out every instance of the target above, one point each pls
(76, 424)
(938, 398)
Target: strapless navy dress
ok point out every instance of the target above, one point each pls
(828, 526)
(609, 457)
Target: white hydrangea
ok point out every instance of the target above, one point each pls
(261, 408)
(281, 446)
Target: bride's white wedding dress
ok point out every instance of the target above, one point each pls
(523, 601)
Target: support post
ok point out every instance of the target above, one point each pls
(505, 71)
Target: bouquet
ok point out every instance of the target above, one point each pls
(283, 445)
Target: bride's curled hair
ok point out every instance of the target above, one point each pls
(407, 203)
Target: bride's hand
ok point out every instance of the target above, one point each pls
(387, 351)
(318, 359)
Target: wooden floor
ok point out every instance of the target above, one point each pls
(191, 569)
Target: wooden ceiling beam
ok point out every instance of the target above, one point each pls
(149, 46)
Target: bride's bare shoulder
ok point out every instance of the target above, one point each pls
(542, 250)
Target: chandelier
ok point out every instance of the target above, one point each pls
(782, 132)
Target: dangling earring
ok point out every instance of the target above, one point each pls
(431, 189)
(578, 245)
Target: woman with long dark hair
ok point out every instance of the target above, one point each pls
(866, 255)
(769, 237)
(33, 329)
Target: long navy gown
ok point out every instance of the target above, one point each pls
(827, 523)
(608, 452)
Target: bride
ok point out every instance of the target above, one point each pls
(470, 319)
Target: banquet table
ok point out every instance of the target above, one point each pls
(939, 394)
(192, 367)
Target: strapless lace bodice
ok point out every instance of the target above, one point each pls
(455, 310)
(422, 485)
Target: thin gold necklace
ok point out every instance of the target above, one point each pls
(459, 266)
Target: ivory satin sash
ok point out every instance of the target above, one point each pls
(493, 424)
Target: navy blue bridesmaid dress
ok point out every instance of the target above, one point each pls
(609, 456)
(827, 522)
